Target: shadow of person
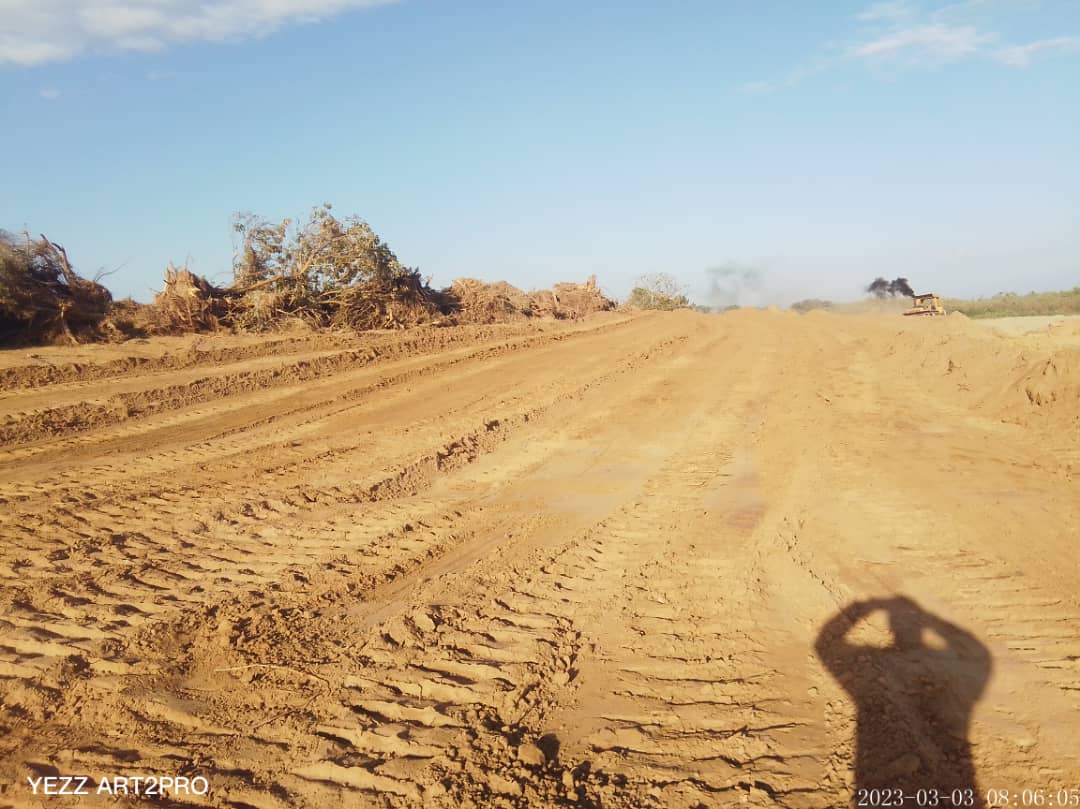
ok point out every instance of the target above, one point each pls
(913, 699)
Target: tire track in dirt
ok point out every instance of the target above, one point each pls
(598, 392)
(158, 563)
(458, 686)
(496, 712)
(21, 377)
(689, 705)
(194, 351)
(26, 421)
(307, 436)
(587, 572)
(956, 536)
(188, 570)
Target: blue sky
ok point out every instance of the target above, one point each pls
(816, 144)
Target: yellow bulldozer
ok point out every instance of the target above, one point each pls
(926, 305)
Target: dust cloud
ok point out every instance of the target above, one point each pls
(735, 284)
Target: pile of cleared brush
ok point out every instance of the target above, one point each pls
(188, 303)
(569, 300)
(473, 301)
(326, 272)
(397, 301)
(323, 272)
(42, 299)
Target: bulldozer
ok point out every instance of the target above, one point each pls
(926, 305)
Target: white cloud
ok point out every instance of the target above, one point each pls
(902, 35)
(1022, 55)
(931, 44)
(793, 77)
(50, 93)
(34, 32)
(760, 87)
(890, 11)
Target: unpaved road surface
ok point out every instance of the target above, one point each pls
(674, 561)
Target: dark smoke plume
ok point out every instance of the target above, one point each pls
(880, 288)
(900, 286)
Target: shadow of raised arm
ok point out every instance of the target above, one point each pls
(832, 645)
(913, 697)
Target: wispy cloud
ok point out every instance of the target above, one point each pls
(892, 11)
(160, 75)
(49, 93)
(924, 45)
(35, 32)
(794, 77)
(1023, 55)
(900, 35)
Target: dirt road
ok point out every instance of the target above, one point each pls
(676, 560)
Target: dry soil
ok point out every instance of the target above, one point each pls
(675, 560)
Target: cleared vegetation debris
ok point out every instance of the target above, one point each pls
(575, 300)
(42, 299)
(321, 273)
(478, 302)
(189, 302)
(469, 300)
(397, 301)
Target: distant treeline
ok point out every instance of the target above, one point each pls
(1009, 304)
(1004, 304)
(810, 304)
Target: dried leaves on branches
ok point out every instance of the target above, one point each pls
(658, 291)
(322, 271)
(42, 298)
(189, 303)
(326, 271)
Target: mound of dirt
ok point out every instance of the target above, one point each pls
(1042, 385)
(1018, 379)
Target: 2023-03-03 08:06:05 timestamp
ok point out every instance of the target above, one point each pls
(1027, 796)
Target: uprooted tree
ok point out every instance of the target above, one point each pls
(339, 272)
(327, 271)
(41, 297)
(321, 271)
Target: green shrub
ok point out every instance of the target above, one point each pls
(810, 304)
(1009, 304)
(658, 291)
